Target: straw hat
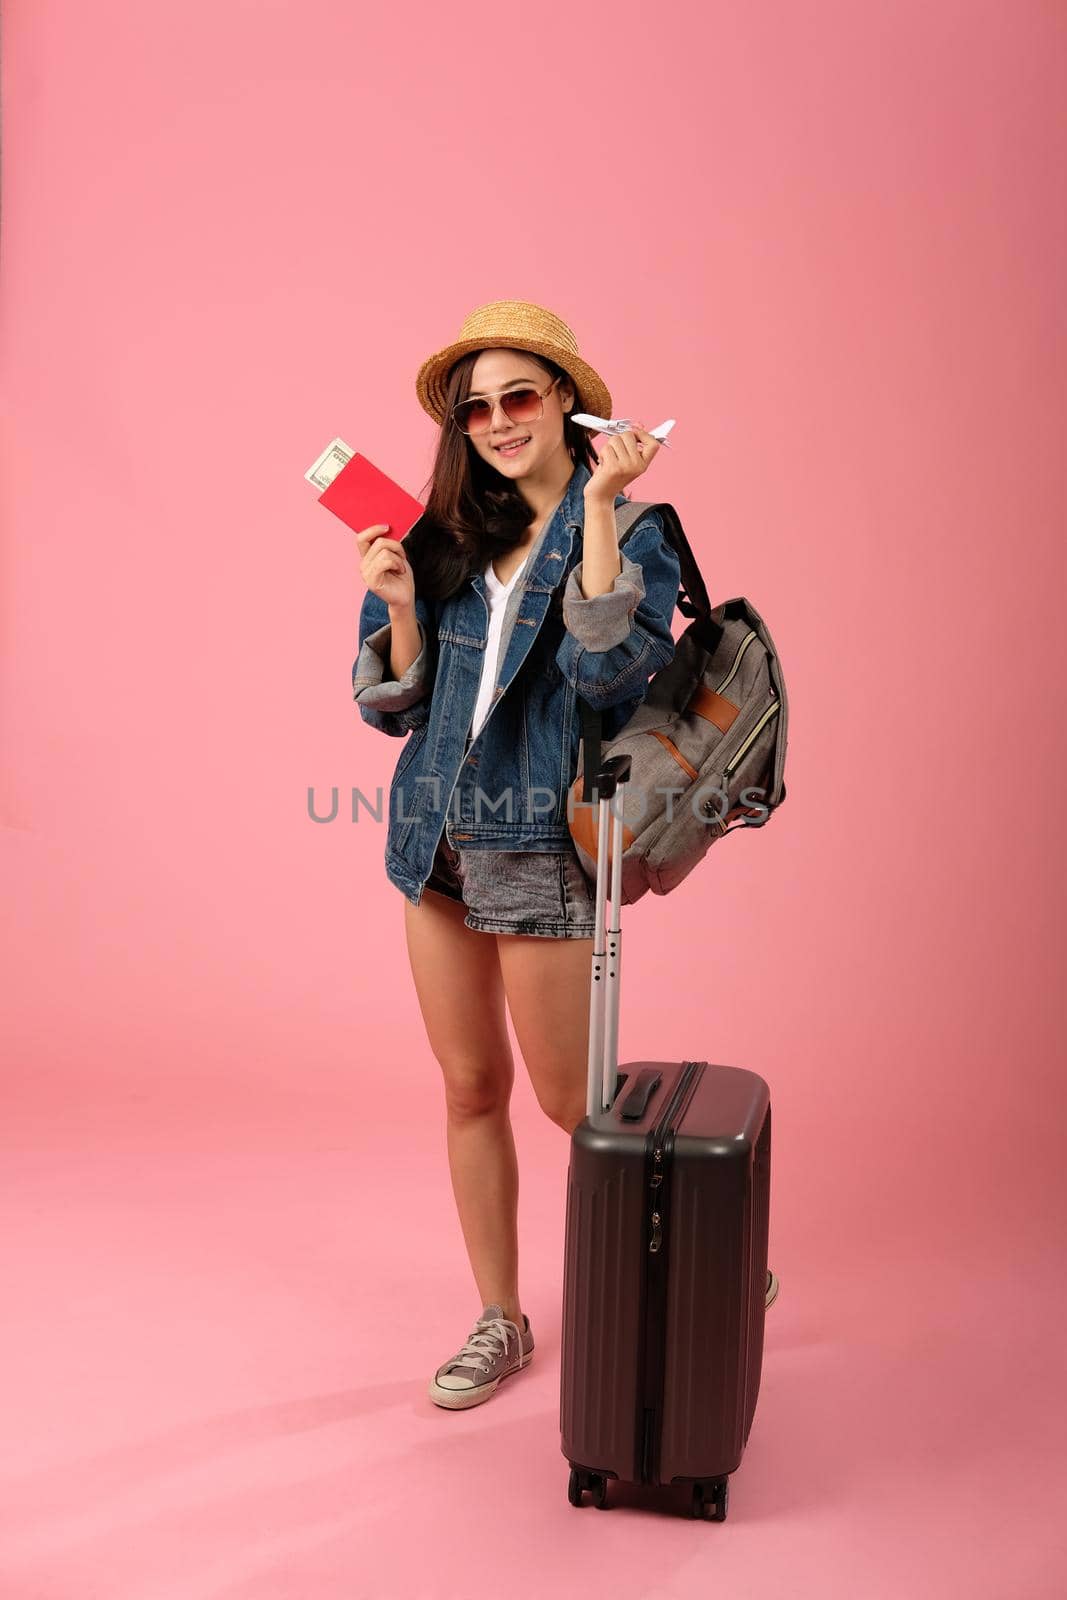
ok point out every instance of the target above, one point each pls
(517, 325)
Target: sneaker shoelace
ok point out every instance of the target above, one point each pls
(488, 1341)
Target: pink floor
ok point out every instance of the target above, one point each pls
(829, 239)
(222, 1312)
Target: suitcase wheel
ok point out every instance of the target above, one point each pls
(595, 1481)
(717, 1497)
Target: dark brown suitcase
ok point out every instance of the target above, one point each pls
(665, 1270)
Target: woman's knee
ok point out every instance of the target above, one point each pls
(565, 1108)
(476, 1087)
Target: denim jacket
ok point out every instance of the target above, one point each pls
(508, 788)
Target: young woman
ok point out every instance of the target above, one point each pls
(508, 599)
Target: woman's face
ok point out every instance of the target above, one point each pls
(505, 369)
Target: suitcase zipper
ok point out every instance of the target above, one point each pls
(656, 1179)
(659, 1134)
(650, 1390)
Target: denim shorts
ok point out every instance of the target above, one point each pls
(541, 892)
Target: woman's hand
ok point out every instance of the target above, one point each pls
(384, 566)
(622, 458)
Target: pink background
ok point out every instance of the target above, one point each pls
(829, 238)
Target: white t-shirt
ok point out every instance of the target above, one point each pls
(497, 595)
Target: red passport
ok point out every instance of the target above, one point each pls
(362, 494)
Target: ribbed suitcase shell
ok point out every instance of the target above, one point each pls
(665, 1263)
(661, 1400)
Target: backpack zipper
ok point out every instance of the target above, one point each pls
(739, 752)
(742, 647)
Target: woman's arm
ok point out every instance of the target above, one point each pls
(601, 559)
(617, 639)
(405, 640)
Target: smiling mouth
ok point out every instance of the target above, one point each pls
(511, 446)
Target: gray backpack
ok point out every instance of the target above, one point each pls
(707, 744)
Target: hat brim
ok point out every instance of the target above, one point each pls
(431, 383)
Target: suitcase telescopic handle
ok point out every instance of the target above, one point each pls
(603, 1069)
(615, 771)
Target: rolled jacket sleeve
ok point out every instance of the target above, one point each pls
(600, 621)
(393, 705)
(615, 641)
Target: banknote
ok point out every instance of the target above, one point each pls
(336, 455)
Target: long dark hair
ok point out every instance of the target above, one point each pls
(473, 514)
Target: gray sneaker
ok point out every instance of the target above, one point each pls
(494, 1350)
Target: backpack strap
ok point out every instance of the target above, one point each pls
(591, 730)
(696, 602)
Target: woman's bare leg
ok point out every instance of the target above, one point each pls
(547, 987)
(461, 995)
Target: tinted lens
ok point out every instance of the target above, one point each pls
(521, 405)
(474, 416)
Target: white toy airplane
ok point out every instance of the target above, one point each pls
(619, 425)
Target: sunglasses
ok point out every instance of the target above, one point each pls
(518, 405)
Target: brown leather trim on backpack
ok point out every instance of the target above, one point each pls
(669, 744)
(714, 708)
